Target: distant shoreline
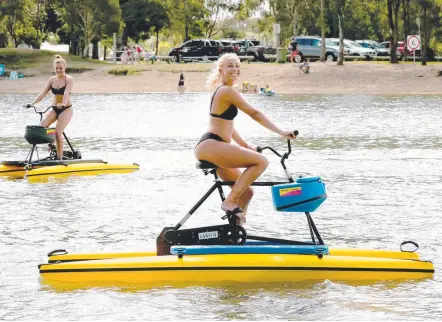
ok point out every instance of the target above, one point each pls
(370, 78)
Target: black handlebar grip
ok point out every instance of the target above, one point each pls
(295, 132)
(258, 149)
(27, 106)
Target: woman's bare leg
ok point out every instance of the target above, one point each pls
(247, 195)
(226, 155)
(63, 120)
(50, 117)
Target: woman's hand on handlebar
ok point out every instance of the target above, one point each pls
(290, 135)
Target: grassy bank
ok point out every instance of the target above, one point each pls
(40, 61)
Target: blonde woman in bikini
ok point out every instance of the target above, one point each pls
(61, 111)
(216, 145)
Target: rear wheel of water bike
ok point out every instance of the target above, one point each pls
(237, 235)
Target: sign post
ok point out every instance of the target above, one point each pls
(276, 31)
(413, 43)
(114, 48)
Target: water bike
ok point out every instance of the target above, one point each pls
(263, 91)
(228, 253)
(34, 167)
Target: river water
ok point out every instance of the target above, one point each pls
(380, 158)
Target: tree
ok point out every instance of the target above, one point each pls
(393, 13)
(13, 17)
(87, 21)
(323, 31)
(287, 13)
(159, 20)
(340, 8)
(218, 12)
(187, 17)
(140, 16)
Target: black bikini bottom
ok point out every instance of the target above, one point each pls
(58, 111)
(210, 136)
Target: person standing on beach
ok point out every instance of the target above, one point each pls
(61, 86)
(294, 48)
(215, 145)
(181, 83)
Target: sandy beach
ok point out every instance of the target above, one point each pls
(325, 78)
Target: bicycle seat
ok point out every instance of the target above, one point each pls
(205, 165)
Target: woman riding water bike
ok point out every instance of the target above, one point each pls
(61, 86)
(215, 145)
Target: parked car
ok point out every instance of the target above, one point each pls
(334, 43)
(399, 49)
(228, 46)
(357, 50)
(250, 47)
(204, 49)
(310, 46)
(371, 44)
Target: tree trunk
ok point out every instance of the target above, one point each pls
(95, 54)
(393, 32)
(186, 23)
(341, 41)
(124, 38)
(322, 58)
(295, 22)
(104, 53)
(3, 40)
(156, 43)
(405, 20)
(73, 48)
(426, 40)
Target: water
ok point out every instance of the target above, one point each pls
(380, 158)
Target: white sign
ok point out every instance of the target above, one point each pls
(413, 42)
(208, 235)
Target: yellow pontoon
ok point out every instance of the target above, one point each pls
(246, 264)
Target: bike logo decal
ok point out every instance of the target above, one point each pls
(208, 235)
(286, 192)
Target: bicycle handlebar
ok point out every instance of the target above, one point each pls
(35, 109)
(284, 156)
(260, 149)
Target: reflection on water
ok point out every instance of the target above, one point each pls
(379, 157)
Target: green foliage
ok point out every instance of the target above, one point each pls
(143, 16)
(15, 58)
(77, 70)
(186, 17)
(124, 71)
(233, 34)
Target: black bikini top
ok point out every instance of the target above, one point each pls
(59, 91)
(228, 114)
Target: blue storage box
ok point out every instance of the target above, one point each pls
(306, 195)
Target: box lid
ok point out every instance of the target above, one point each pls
(308, 179)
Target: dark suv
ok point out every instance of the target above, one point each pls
(198, 49)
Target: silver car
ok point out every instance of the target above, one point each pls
(371, 44)
(310, 46)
